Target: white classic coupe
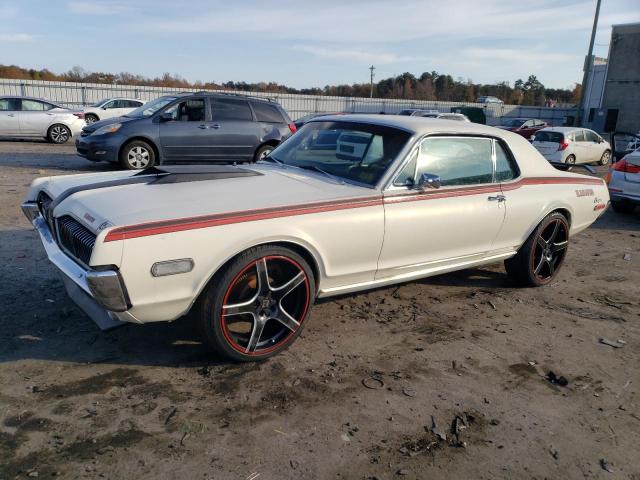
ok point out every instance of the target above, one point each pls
(348, 203)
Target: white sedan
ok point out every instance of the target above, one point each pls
(111, 108)
(28, 117)
(248, 249)
(572, 145)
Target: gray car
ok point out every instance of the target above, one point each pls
(189, 128)
(29, 117)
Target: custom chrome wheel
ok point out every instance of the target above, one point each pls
(541, 256)
(137, 155)
(550, 249)
(59, 134)
(258, 305)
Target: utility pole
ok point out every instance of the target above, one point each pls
(587, 68)
(372, 68)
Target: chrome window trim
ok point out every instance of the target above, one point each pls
(390, 187)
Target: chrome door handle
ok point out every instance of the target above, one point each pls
(11, 115)
(202, 127)
(497, 198)
(215, 126)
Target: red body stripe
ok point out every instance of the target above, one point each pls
(205, 221)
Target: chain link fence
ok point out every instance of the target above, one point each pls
(82, 94)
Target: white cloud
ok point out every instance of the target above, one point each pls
(88, 7)
(16, 37)
(354, 54)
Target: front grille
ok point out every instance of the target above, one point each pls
(76, 239)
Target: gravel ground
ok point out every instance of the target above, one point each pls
(357, 395)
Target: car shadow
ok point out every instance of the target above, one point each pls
(59, 161)
(621, 222)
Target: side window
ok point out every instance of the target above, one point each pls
(8, 104)
(505, 166)
(528, 124)
(188, 111)
(231, 109)
(579, 136)
(267, 113)
(35, 106)
(134, 104)
(591, 136)
(456, 160)
(111, 104)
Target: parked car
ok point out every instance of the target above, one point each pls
(486, 99)
(188, 128)
(306, 118)
(572, 145)
(247, 249)
(110, 108)
(524, 126)
(623, 180)
(28, 117)
(417, 112)
(446, 116)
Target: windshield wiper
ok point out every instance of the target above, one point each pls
(318, 169)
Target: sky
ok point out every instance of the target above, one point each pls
(311, 43)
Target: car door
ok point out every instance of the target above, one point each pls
(35, 117)
(9, 118)
(185, 131)
(109, 110)
(446, 226)
(235, 134)
(595, 145)
(579, 146)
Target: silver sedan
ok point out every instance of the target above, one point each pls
(33, 117)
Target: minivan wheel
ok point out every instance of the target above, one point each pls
(137, 155)
(58, 134)
(257, 306)
(263, 152)
(90, 118)
(540, 258)
(606, 156)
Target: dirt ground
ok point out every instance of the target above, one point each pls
(357, 395)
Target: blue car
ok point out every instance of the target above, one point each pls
(189, 128)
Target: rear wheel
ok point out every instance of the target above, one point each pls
(137, 155)
(262, 152)
(256, 307)
(58, 134)
(606, 156)
(571, 159)
(90, 118)
(540, 258)
(620, 206)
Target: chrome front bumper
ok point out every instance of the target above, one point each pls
(92, 290)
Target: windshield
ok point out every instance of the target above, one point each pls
(150, 108)
(99, 104)
(514, 123)
(353, 152)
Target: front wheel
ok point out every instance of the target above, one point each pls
(137, 155)
(90, 118)
(540, 258)
(257, 306)
(606, 156)
(58, 134)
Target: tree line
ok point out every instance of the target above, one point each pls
(428, 86)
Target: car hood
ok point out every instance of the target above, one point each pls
(94, 126)
(124, 198)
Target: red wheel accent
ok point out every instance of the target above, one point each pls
(281, 342)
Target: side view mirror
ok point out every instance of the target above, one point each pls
(427, 181)
(165, 117)
(104, 107)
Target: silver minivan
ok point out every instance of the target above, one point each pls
(572, 145)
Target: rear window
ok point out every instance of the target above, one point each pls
(556, 137)
(267, 113)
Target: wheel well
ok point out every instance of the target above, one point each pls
(273, 143)
(93, 115)
(156, 152)
(564, 212)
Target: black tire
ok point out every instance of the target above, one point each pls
(260, 331)
(571, 160)
(262, 152)
(620, 206)
(91, 118)
(137, 155)
(605, 158)
(58, 134)
(541, 257)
